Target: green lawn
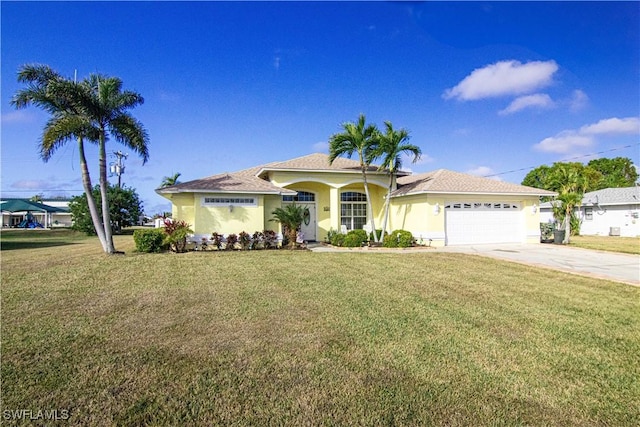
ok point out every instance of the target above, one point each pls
(301, 338)
(629, 245)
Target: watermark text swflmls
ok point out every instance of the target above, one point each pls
(40, 414)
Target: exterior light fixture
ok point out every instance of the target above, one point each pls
(230, 208)
(436, 209)
(534, 209)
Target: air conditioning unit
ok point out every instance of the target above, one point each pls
(614, 231)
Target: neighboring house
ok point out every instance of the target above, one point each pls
(439, 208)
(20, 212)
(607, 212)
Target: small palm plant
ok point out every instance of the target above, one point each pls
(290, 218)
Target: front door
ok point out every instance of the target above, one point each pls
(307, 201)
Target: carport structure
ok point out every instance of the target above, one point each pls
(22, 207)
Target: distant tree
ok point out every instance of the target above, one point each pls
(168, 181)
(392, 144)
(615, 173)
(361, 139)
(571, 186)
(37, 198)
(538, 177)
(124, 204)
(545, 177)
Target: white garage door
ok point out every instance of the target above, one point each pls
(483, 222)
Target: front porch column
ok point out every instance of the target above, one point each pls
(334, 206)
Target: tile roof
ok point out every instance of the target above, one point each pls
(446, 181)
(319, 162)
(613, 196)
(244, 181)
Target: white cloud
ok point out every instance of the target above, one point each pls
(483, 171)
(569, 140)
(579, 100)
(503, 78)
(564, 142)
(34, 184)
(321, 147)
(614, 125)
(407, 159)
(538, 100)
(19, 116)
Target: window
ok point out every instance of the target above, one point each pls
(353, 210)
(302, 196)
(226, 201)
(588, 214)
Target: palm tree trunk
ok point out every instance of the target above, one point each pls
(106, 217)
(91, 202)
(369, 205)
(386, 206)
(567, 226)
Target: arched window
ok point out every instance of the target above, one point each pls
(353, 210)
(302, 196)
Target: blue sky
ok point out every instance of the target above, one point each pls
(483, 87)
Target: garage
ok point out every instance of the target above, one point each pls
(468, 223)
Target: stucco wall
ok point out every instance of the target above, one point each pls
(624, 217)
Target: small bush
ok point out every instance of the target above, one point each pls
(355, 238)
(176, 232)
(270, 239)
(216, 240)
(338, 239)
(330, 234)
(244, 239)
(149, 240)
(378, 233)
(257, 240)
(232, 239)
(398, 239)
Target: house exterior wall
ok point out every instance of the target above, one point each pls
(625, 217)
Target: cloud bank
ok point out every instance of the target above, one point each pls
(538, 100)
(585, 137)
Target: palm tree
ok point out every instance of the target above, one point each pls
(571, 186)
(393, 143)
(290, 218)
(107, 108)
(58, 96)
(168, 181)
(363, 140)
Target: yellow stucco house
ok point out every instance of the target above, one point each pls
(440, 208)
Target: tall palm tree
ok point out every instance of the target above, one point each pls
(393, 143)
(571, 186)
(290, 218)
(361, 139)
(58, 96)
(168, 181)
(108, 108)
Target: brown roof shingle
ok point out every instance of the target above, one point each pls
(446, 181)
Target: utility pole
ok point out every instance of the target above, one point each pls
(118, 168)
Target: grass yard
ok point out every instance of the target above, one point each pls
(301, 338)
(628, 245)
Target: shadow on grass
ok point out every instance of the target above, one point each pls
(8, 246)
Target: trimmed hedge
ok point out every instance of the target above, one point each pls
(355, 238)
(149, 240)
(398, 239)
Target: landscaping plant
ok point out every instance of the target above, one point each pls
(176, 232)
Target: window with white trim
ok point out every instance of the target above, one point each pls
(482, 205)
(353, 210)
(588, 214)
(226, 201)
(302, 196)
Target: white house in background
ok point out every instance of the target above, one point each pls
(607, 212)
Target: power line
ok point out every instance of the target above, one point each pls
(564, 160)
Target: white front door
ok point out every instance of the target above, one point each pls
(309, 225)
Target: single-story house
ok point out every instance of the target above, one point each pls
(24, 212)
(606, 212)
(439, 208)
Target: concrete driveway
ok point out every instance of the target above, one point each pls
(604, 265)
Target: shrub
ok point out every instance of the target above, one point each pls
(232, 239)
(257, 240)
(379, 233)
(330, 234)
(245, 240)
(398, 239)
(338, 239)
(355, 238)
(270, 239)
(216, 239)
(176, 232)
(149, 240)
